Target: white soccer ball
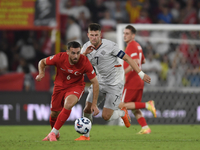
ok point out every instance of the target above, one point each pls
(82, 125)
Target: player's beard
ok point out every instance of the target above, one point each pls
(74, 61)
(96, 42)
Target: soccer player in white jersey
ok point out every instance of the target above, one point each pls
(103, 55)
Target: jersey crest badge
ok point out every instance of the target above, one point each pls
(103, 52)
(77, 73)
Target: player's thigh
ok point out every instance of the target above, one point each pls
(54, 114)
(113, 96)
(57, 101)
(132, 95)
(112, 101)
(77, 91)
(101, 96)
(72, 96)
(70, 101)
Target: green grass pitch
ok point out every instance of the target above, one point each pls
(103, 137)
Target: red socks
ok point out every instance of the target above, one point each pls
(62, 117)
(139, 105)
(142, 121)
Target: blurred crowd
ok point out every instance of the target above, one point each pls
(109, 13)
(174, 62)
(167, 64)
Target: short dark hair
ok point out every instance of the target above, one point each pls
(94, 27)
(130, 27)
(73, 44)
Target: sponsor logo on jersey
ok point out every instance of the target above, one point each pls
(51, 57)
(70, 71)
(76, 92)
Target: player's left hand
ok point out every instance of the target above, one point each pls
(95, 110)
(147, 79)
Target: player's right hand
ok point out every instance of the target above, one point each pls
(147, 79)
(89, 49)
(95, 110)
(39, 77)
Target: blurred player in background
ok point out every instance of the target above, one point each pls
(133, 88)
(68, 86)
(104, 54)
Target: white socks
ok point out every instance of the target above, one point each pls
(55, 131)
(145, 127)
(89, 116)
(116, 114)
(146, 105)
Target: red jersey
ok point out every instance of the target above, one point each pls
(70, 75)
(133, 80)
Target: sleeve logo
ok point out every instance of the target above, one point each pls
(51, 57)
(139, 47)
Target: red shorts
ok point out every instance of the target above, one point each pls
(131, 95)
(58, 97)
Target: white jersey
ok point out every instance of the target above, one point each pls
(106, 62)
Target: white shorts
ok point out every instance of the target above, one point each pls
(111, 94)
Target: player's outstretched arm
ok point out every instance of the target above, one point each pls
(95, 85)
(129, 68)
(134, 66)
(41, 69)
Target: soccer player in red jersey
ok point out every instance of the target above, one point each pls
(68, 86)
(133, 88)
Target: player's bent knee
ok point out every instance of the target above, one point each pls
(68, 106)
(107, 113)
(70, 101)
(106, 117)
(137, 112)
(54, 114)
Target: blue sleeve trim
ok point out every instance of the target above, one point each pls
(121, 54)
